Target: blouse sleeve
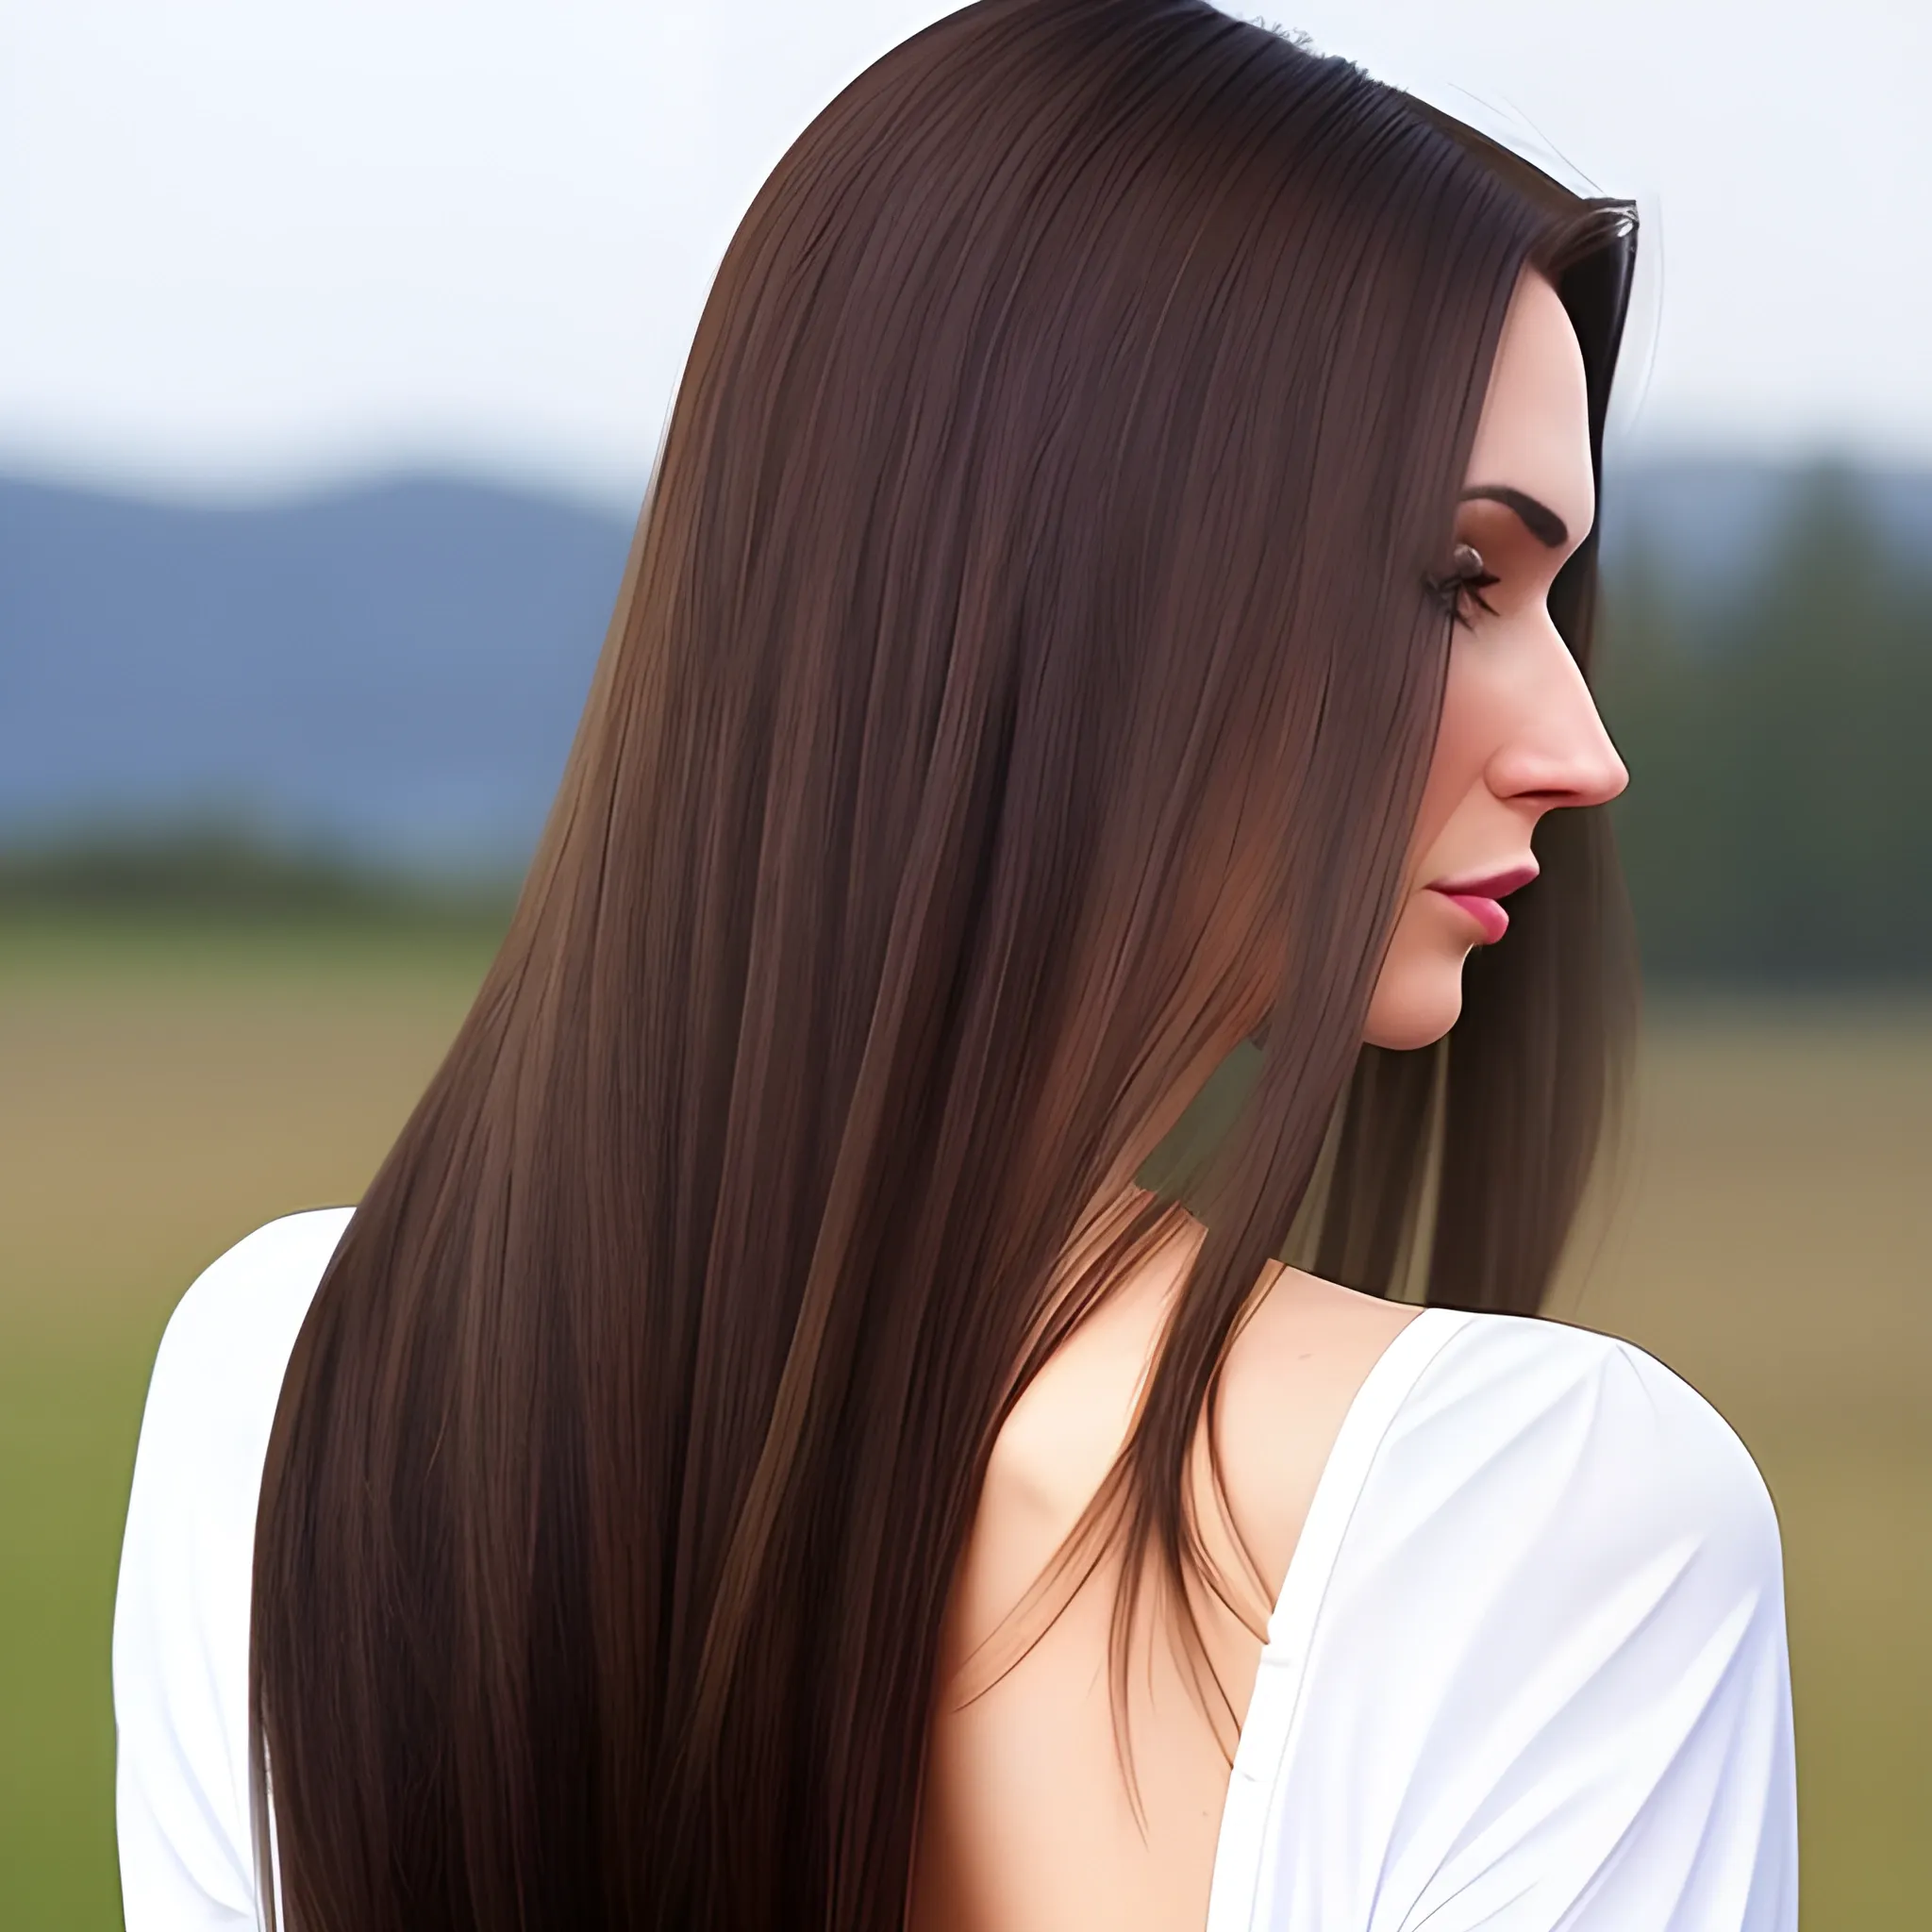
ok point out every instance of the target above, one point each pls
(1559, 1698)
(181, 1608)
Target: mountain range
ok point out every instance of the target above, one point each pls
(393, 668)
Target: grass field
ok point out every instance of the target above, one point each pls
(161, 1093)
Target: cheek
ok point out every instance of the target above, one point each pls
(1417, 996)
(1461, 750)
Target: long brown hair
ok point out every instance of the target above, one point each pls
(1020, 689)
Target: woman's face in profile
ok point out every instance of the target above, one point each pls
(1520, 734)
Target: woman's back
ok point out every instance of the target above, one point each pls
(1027, 1824)
(1527, 1670)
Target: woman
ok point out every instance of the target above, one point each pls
(1116, 586)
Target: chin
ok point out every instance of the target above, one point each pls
(1415, 1007)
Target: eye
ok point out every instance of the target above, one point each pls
(1463, 583)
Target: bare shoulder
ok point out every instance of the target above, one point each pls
(1295, 1369)
(1527, 1420)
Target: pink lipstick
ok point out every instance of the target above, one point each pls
(1480, 897)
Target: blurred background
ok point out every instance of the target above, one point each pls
(334, 347)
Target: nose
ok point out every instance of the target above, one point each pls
(1560, 754)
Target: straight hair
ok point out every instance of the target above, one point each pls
(1019, 694)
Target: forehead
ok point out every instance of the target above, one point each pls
(1533, 431)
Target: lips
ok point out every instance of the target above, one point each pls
(1479, 897)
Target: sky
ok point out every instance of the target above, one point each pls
(255, 246)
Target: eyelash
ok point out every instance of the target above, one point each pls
(1467, 577)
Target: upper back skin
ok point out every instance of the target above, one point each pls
(1026, 1823)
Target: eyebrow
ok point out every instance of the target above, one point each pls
(1538, 519)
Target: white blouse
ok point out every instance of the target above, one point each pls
(1527, 1672)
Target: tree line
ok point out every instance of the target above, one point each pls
(1777, 828)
